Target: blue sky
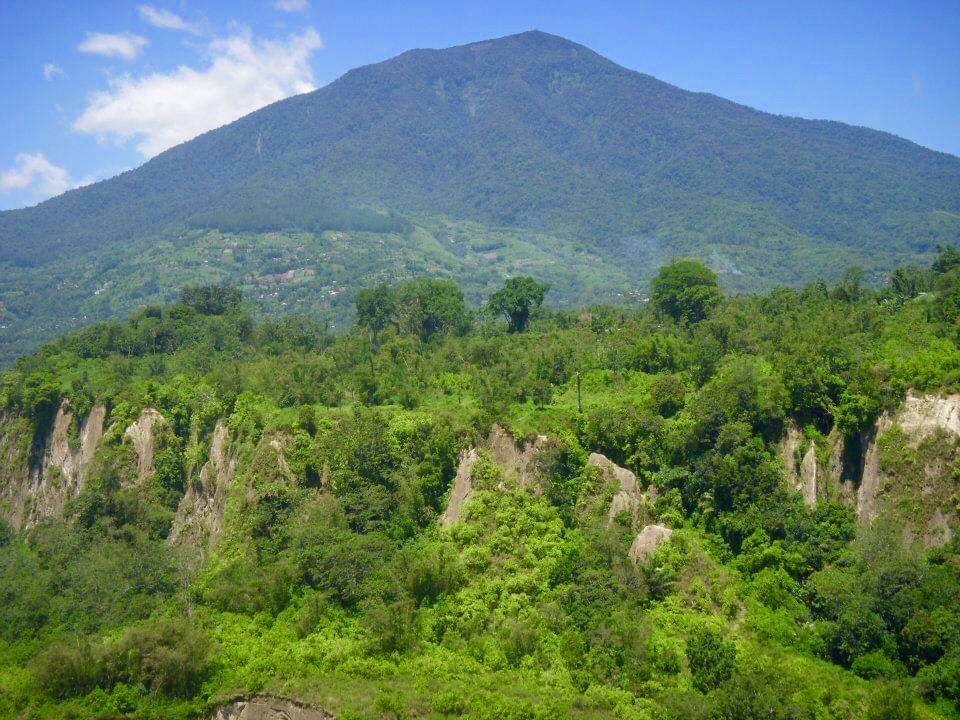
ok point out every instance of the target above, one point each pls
(89, 89)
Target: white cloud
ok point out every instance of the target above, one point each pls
(123, 45)
(160, 110)
(37, 178)
(917, 85)
(166, 20)
(52, 70)
(291, 5)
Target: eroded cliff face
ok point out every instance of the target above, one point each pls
(799, 458)
(903, 466)
(35, 491)
(199, 519)
(142, 435)
(628, 497)
(515, 459)
(462, 487)
(814, 472)
(908, 467)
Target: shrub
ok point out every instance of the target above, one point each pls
(712, 659)
(449, 702)
(166, 655)
(391, 624)
(65, 669)
(891, 702)
(875, 665)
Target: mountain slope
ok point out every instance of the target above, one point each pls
(535, 133)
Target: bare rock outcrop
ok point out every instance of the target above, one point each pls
(61, 472)
(802, 474)
(919, 417)
(142, 434)
(628, 497)
(515, 459)
(268, 708)
(462, 488)
(518, 459)
(199, 518)
(647, 541)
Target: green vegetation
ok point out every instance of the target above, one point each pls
(559, 164)
(516, 300)
(332, 581)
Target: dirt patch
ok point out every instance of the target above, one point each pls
(939, 532)
(268, 708)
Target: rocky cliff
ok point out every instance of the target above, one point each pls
(38, 489)
(903, 466)
(38, 479)
(199, 518)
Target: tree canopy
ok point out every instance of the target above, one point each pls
(685, 290)
(518, 297)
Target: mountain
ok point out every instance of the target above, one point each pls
(529, 152)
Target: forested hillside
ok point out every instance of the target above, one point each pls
(704, 506)
(530, 138)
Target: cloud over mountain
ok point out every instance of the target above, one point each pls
(159, 110)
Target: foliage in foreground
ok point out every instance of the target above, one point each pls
(332, 581)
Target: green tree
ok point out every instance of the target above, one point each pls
(686, 290)
(850, 287)
(375, 307)
(712, 659)
(908, 281)
(211, 299)
(518, 297)
(425, 307)
(947, 259)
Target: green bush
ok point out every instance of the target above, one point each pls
(66, 668)
(170, 656)
(874, 666)
(712, 659)
(891, 702)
